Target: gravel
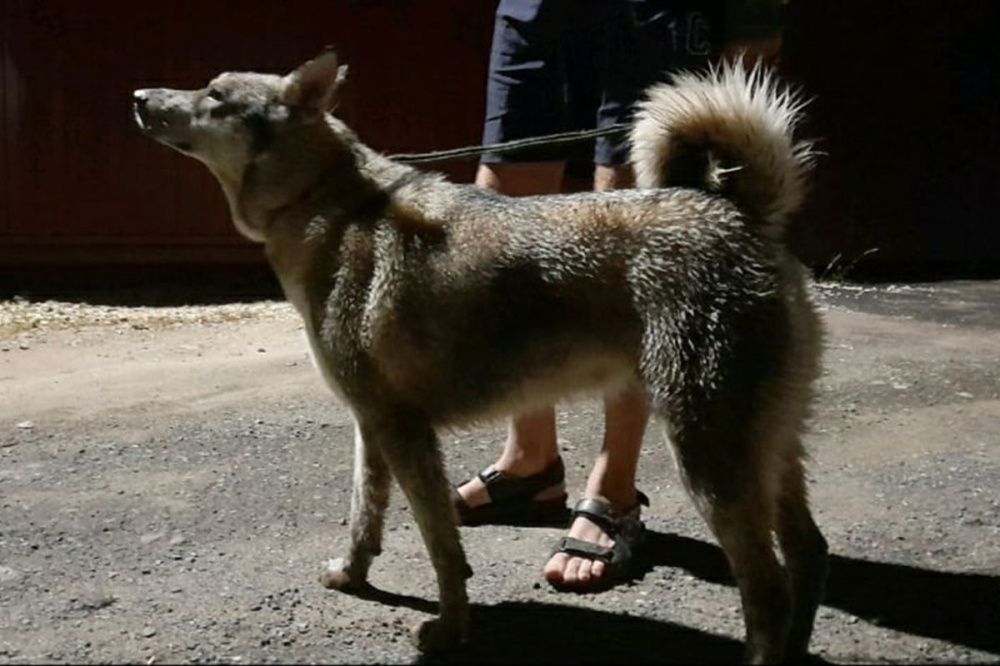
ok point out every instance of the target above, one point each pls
(21, 318)
(180, 489)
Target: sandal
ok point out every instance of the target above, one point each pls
(512, 500)
(625, 528)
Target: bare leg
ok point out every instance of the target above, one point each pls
(612, 177)
(531, 444)
(518, 179)
(531, 438)
(612, 479)
(530, 447)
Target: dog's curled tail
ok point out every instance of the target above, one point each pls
(728, 131)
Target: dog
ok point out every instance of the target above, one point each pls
(429, 304)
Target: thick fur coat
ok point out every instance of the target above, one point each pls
(429, 304)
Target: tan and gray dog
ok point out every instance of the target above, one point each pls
(430, 304)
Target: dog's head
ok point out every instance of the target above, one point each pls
(238, 118)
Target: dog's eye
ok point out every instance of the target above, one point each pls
(215, 94)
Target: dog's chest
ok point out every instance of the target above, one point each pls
(298, 297)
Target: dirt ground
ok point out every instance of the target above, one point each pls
(171, 480)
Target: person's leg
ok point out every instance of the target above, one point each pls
(531, 444)
(521, 178)
(529, 449)
(612, 177)
(612, 479)
(607, 54)
(523, 100)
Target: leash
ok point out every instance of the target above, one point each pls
(510, 146)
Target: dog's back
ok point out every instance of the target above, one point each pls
(510, 302)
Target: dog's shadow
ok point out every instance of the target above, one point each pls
(954, 607)
(529, 632)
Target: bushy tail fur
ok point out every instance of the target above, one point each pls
(728, 131)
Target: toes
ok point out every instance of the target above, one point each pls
(579, 572)
(597, 569)
(555, 567)
(571, 574)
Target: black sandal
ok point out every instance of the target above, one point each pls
(625, 528)
(512, 500)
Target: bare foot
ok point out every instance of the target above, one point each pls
(578, 572)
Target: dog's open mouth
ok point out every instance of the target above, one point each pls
(153, 126)
(140, 114)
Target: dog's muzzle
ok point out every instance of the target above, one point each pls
(158, 117)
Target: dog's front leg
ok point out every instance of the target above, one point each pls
(412, 452)
(369, 498)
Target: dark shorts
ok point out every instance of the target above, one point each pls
(559, 65)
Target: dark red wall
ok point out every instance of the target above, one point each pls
(906, 103)
(81, 184)
(907, 106)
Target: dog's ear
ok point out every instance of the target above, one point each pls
(316, 83)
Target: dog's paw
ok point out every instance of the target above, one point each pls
(434, 635)
(337, 576)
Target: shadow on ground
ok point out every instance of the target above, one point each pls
(551, 633)
(954, 607)
(958, 608)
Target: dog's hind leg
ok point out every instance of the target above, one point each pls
(411, 450)
(369, 498)
(805, 552)
(721, 471)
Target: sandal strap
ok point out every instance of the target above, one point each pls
(586, 549)
(501, 487)
(606, 516)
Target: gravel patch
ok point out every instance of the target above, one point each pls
(20, 318)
